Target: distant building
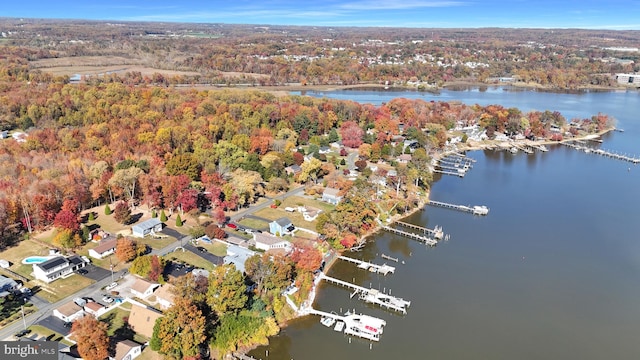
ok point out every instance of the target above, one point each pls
(57, 267)
(146, 227)
(628, 79)
(282, 226)
(330, 195)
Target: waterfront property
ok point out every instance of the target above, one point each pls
(238, 255)
(269, 242)
(147, 227)
(57, 267)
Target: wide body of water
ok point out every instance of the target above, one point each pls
(553, 272)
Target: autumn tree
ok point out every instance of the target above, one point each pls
(122, 213)
(126, 180)
(67, 239)
(148, 266)
(191, 287)
(181, 331)
(227, 291)
(91, 336)
(184, 164)
(268, 273)
(351, 134)
(214, 231)
(128, 249)
(66, 219)
(306, 257)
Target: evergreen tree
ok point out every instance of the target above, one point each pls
(154, 214)
(178, 221)
(107, 210)
(163, 216)
(91, 216)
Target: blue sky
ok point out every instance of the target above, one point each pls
(591, 14)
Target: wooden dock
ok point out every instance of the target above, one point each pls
(475, 210)
(422, 238)
(436, 232)
(383, 269)
(385, 256)
(372, 296)
(601, 152)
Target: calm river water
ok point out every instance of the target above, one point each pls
(553, 272)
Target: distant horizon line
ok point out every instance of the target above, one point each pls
(307, 26)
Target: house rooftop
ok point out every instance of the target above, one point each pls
(143, 319)
(331, 191)
(52, 263)
(69, 308)
(283, 221)
(93, 306)
(141, 285)
(165, 292)
(123, 347)
(267, 238)
(147, 224)
(105, 245)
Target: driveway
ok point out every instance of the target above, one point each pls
(176, 270)
(96, 273)
(54, 324)
(214, 259)
(169, 231)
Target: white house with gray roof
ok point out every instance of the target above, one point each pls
(57, 267)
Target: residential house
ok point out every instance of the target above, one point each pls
(404, 158)
(324, 150)
(293, 170)
(143, 319)
(164, 296)
(7, 285)
(105, 248)
(4, 134)
(269, 242)
(127, 350)
(309, 213)
(57, 267)
(147, 227)
(69, 312)
(282, 226)
(143, 288)
(331, 196)
(94, 308)
(237, 256)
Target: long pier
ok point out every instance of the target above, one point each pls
(372, 296)
(602, 152)
(422, 238)
(436, 232)
(381, 269)
(475, 210)
(444, 172)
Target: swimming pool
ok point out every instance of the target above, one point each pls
(35, 259)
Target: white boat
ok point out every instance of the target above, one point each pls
(514, 150)
(327, 321)
(480, 210)
(364, 326)
(543, 148)
(339, 326)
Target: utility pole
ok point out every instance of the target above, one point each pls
(24, 321)
(111, 267)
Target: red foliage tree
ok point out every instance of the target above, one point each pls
(298, 158)
(218, 215)
(156, 268)
(306, 257)
(351, 134)
(188, 200)
(213, 231)
(261, 140)
(349, 240)
(67, 219)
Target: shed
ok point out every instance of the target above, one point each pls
(146, 227)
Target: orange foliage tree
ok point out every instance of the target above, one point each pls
(92, 339)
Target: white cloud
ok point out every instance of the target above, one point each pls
(398, 4)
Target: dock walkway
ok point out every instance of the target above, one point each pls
(380, 269)
(475, 210)
(422, 238)
(372, 296)
(436, 232)
(601, 152)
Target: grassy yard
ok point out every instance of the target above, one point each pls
(42, 331)
(61, 288)
(296, 217)
(11, 311)
(23, 249)
(148, 354)
(216, 248)
(294, 201)
(116, 320)
(190, 258)
(254, 224)
(157, 243)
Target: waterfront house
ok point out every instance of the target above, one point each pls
(69, 312)
(282, 226)
(57, 267)
(143, 288)
(147, 227)
(269, 242)
(143, 319)
(330, 195)
(105, 248)
(127, 350)
(164, 296)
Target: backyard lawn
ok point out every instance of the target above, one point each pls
(61, 288)
(216, 248)
(190, 258)
(254, 224)
(50, 335)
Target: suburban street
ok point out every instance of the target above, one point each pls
(94, 290)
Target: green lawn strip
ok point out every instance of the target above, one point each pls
(216, 248)
(254, 224)
(157, 243)
(271, 214)
(189, 258)
(61, 288)
(295, 201)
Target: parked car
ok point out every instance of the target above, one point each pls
(201, 249)
(22, 333)
(111, 286)
(67, 324)
(273, 206)
(82, 271)
(232, 226)
(107, 299)
(249, 231)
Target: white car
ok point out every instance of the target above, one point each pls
(111, 286)
(107, 299)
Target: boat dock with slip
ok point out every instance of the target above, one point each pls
(436, 232)
(475, 210)
(609, 154)
(422, 238)
(383, 269)
(372, 296)
(360, 325)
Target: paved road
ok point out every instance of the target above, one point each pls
(45, 308)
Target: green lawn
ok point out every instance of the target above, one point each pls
(116, 320)
(157, 243)
(61, 288)
(190, 258)
(254, 224)
(216, 248)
